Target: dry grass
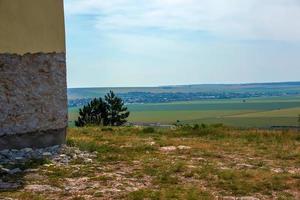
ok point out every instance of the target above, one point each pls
(220, 162)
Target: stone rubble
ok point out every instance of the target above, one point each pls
(181, 147)
(14, 156)
(174, 148)
(42, 188)
(168, 148)
(8, 186)
(57, 155)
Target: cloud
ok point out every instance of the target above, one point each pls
(234, 19)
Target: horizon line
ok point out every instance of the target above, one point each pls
(193, 84)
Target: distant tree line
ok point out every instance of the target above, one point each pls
(165, 97)
(109, 111)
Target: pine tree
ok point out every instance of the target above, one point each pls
(94, 113)
(117, 112)
(108, 112)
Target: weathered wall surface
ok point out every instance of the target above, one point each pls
(33, 91)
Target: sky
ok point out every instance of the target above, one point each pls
(129, 43)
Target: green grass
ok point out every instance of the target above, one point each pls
(250, 122)
(256, 112)
(289, 112)
(188, 193)
(130, 164)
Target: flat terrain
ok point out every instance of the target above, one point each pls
(206, 162)
(254, 112)
(255, 88)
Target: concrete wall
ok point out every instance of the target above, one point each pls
(33, 100)
(31, 26)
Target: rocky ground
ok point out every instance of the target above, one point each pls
(136, 163)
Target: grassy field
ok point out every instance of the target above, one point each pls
(192, 163)
(260, 112)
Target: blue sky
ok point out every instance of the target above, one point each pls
(120, 43)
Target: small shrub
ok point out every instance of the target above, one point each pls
(149, 130)
(207, 131)
(298, 138)
(70, 142)
(107, 129)
(196, 127)
(203, 126)
(220, 125)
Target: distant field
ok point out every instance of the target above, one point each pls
(265, 88)
(256, 112)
